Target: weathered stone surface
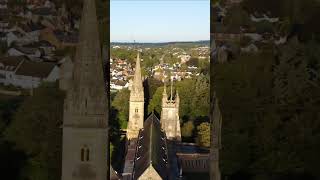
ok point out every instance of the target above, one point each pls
(170, 122)
(85, 108)
(136, 104)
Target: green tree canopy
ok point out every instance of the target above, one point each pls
(121, 104)
(187, 129)
(203, 132)
(35, 129)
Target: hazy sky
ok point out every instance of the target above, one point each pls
(159, 20)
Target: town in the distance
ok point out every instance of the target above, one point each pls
(172, 60)
(54, 119)
(160, 90)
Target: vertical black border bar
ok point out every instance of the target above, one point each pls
(106, 47)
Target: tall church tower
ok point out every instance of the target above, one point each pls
(170, 122)
(85, 150)
(136, 104)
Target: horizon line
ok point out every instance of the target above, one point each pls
(157, 41)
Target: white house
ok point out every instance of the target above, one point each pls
(20, 72)
(13, 37)
(49, 4)
(118, 84)
(264, 18)
(24, 51)
(20, 38)
(250, 48)
(4, 26)
(3, 4)
(8, 66)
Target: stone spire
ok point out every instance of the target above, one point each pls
(85, 121)
(87, 93)
(136, 104)
(137, 80)
(164, 95)
(171, 91)
(164, 90)
(177, 98)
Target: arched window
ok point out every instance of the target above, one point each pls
(85, 154)
(82, 154)
(136, 110)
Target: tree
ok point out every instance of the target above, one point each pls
(187, 129)
(193, 62)
(156, 101)
(35, 130)
(203, 134)
(121, 104)
(153, 85)
(204, 66)
(201, 99)
(186, 89)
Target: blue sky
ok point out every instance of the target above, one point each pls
(159, 20)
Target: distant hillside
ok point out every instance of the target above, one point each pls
(186, 43)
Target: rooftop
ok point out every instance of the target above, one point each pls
(151, 149)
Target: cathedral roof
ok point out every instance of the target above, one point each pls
(113, 174)
(151, 149)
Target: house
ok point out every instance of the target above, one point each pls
(30, 52)
(59, 38)
(184, 58)
(3, 5)
(280, 40)
(250, 48)
(20, 72)
(13, 37)
(43, 12)
(193, 159)
(45, 47)
(18, 37)
(118, 84)
(151, 157)
(8, 66)
(4, 12)
(24, 34)
(48, 23)
(35, 2)
(3, 37)
(230, 3)
(26, 14)
(31, 30)
(257, 18)
(4, 25)
(49, 4)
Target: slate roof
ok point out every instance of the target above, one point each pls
(66, 37)
(44, 11)
(151, 149)
(41, 43)
(30, 27)
(26, 50)
(113, 174)
(11, 61)
(35, 69)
